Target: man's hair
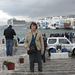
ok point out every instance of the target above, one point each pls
(10, 26)
(33, 23)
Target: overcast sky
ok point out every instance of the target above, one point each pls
(31, 9)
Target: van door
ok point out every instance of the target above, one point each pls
(51, 42)
(65, 44)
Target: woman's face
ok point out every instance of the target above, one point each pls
(33, 27)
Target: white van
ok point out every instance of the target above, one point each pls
(52, 42)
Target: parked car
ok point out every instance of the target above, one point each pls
(22, 41)
(52, 42)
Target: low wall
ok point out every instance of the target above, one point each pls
(14, 59)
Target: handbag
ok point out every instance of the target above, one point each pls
(32, 48)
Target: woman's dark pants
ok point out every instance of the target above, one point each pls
(35, 58)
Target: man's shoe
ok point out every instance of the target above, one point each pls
(40, 70)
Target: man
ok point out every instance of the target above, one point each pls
(45, 40)
(9, 35)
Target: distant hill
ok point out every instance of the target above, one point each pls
(27, 23)
(73, 16)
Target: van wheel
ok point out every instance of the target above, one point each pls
(74, 52)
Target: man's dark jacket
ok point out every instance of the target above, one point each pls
(9, 33)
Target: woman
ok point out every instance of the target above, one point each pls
(38, 44)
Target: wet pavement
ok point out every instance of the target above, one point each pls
(51, 67)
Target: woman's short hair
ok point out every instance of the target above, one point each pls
(33, 23)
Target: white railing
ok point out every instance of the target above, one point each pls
(2, 47)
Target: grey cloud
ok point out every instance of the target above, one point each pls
(38, 8)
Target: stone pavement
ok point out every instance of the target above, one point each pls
(51, 67)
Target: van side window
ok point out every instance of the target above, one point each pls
(63, 41)
(52, 41)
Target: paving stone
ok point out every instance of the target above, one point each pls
(51, 67)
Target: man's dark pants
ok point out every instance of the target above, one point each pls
(9, 47)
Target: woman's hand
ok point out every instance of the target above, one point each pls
(42, 52)
(27, 48)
